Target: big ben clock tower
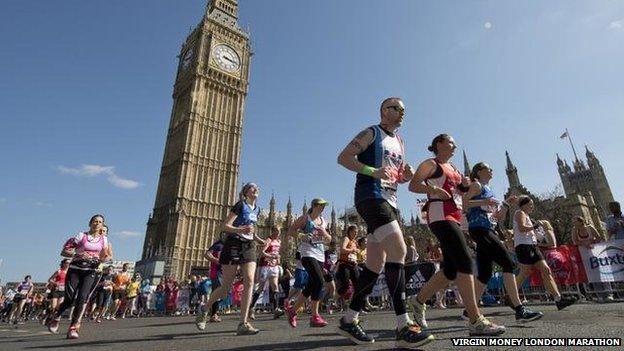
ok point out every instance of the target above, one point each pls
(200, 166)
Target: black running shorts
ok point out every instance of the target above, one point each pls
(236, 251)
(528, 254)
(376, 213)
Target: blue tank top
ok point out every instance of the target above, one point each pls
(246, 215)
(481, 217)
(385, 150)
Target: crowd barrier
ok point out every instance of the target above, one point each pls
(593, 273)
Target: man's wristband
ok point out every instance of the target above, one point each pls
(367, 170)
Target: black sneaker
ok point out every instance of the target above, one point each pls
(523, 314)
(411, 336)
(354, 332)
(565, 302)
(464, 316)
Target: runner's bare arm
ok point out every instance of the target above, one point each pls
(473, 191)
(347, 157)
(296, 226)
(210, 257)
(266, 246)
(326, 236)
(52, 279)
(424, 171)
(520, 218)
(228, 225)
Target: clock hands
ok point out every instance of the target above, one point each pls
(229, 59)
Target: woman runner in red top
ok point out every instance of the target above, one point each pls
(269, 270)
(444, 185)
(57, 285)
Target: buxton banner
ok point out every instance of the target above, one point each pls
(604, 262)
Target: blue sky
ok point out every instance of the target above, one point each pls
(91, 83)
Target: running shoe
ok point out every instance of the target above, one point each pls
(565, 302)
(72, 333)
(246, 329)
(524, 314)
(252, 315)
(464, 316)
(291, 314)
(201, 319)
(483, 327)
(215, 319)
(354, 332)
(53, 325)
(419, 312)
(411, 336)
(317, 321)
(278, 313)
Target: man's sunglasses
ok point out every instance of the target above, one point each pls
(396, 108)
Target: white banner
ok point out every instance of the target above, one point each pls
(604, 262)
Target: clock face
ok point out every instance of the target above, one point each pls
(188, 57)
(226, 58)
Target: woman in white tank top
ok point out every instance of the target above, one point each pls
(529, 255)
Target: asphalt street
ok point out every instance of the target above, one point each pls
(179, 333)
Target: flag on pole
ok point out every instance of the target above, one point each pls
(564, 135)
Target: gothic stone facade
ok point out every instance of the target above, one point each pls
(199, 173)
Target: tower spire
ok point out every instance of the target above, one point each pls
(466, 165)
(512, 174)
(510, 165)
(228, 7)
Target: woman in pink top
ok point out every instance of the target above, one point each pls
(87, 250)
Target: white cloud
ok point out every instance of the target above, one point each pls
(87, 170)
(42, 204)
(128, 234)
(122, 183)
(95, 170)
(619, 24)
(487, 25)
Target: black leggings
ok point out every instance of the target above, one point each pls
(490, 249)
(345, 273)
(454, 249)
(78, 286)
(315, 281)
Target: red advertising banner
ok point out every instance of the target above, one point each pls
(566, 265)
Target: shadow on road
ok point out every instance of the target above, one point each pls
(161, 337)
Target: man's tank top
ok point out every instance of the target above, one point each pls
(386, 150)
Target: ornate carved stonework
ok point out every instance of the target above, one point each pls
(201, 162)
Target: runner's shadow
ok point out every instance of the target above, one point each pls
(298, 346)
(161, 337)
(164, 324)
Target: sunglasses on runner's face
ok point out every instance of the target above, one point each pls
(396, 108)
